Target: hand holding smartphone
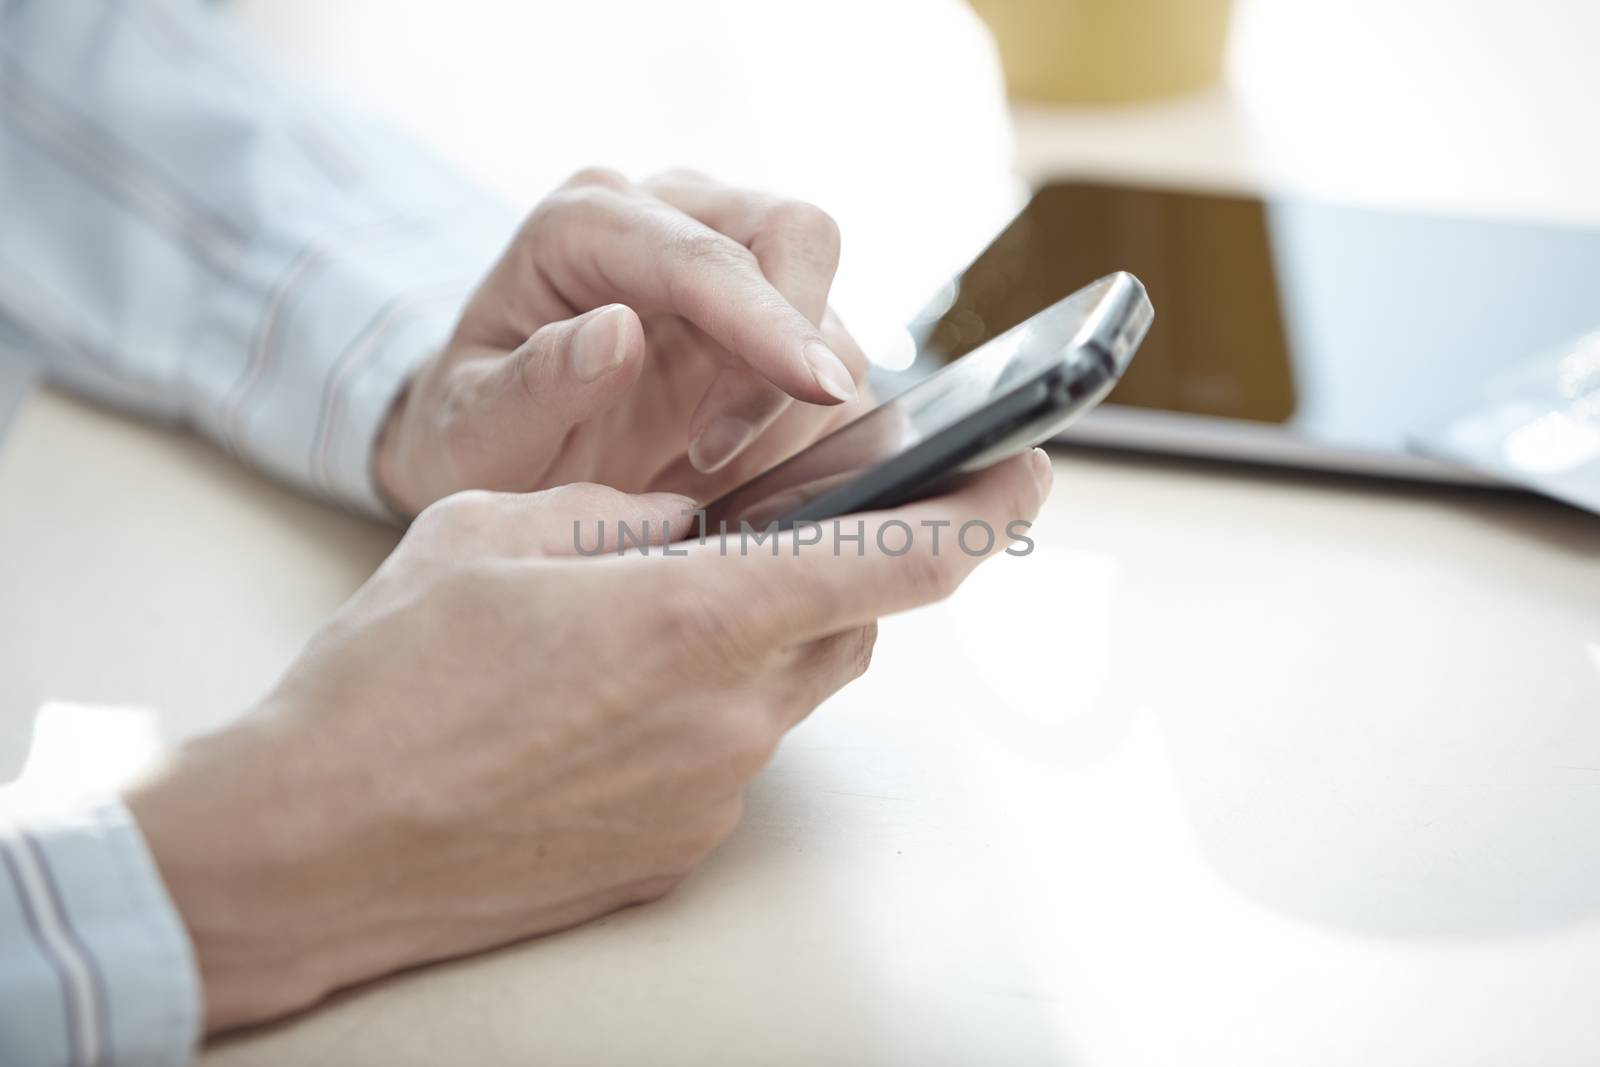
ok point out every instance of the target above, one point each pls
(1016, 391)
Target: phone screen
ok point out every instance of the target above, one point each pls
(983, 377)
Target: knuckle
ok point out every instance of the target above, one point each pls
(465, 512)
(527, 360)
(596, 178)
(571, 205)
(805, 223)
(705, 249)
(700, 265)
(868, 641)
(680, 176)
(742, 745)
(930, 577)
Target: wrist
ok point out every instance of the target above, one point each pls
(240, 868)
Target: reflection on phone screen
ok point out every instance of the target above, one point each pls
(920, 413)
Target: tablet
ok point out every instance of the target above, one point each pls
(1291, 331)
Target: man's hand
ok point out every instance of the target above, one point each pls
(493, 740)
(645, 337)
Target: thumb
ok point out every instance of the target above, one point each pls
(564, 373)
(592, 520)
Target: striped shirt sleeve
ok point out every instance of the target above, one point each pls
(187, 235)
(95, 966)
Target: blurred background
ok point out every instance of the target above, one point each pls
(892, 114)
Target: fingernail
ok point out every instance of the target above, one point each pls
(723, 438)
(600, 346)
(1043, 472)
(829, 371)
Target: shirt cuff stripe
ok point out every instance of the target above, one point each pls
(82, 986)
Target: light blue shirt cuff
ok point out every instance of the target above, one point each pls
(358, 336)
(95, 964)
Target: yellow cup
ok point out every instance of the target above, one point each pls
(1105, 51)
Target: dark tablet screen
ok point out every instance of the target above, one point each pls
(1345, 326)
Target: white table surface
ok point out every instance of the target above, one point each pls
(1237, 768)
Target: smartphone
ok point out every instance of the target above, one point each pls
(1003, 397)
